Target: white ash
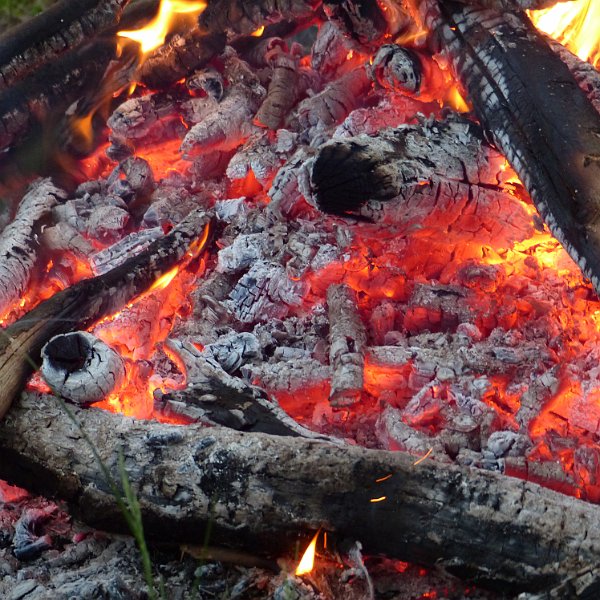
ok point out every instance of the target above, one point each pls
(257, 156)
(234, 350)
(63, 237)
(131, 179)
(288, 375)
(231, 209)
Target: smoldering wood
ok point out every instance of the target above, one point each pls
(261, 491)
(209, 81)
(27, 541)
(346, 173)
(18, 241)
(63, 237)
(361, 19)
(180, 57)
(84, 303)
(552, 146)
(348, 340)
(32, 102)
(397, 68)
(81, 368)
(63, 26)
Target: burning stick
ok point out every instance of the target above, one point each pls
(537, 114)
(348, 340)
(90, 300)
(19, 244)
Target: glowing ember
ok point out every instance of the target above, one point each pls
(307, 562)
(154, 34)
(258, 32)
(574, 24)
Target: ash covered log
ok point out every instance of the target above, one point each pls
(348, 340)
(261, 491)
(531, 104)
(84, 303)
(81, 368)
(19, 244)
(62, 27)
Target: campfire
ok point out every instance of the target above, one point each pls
(318, 278)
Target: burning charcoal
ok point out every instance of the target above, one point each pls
(256, 158)
(234, 350)
(81, 368)
(330, 50)
(347, 173)
(362, 19)
(63, 237)
(228, 210)
(264, 292)
(28, 544)
(208, 81)
(291, 375)
(245, 251)
(396, 68)
(348, 339)
(107, 222)
(18, 243)
(333, 104)
(181, 56)
(115, 255)
(508, 443)
(285, 192)
(133, 178)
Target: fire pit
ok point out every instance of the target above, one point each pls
(326, 267)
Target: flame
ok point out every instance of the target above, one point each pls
(307, 562)
(154, 34)
(258, 32)
(456, 101)
(574, 24)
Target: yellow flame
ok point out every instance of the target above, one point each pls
(153, 35)
(258, 32)
(574, 24)
(456, 101)
(307, 562)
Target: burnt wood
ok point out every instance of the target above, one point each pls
(532, 106)
(88, 301)
(61, 27)
(261, 491)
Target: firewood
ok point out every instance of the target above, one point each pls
(348, 340)
(88, 301)
(532, 106)
(259, 491)
(81, 368)
(19, 244)
(62, 27)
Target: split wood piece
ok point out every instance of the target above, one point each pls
(180, 57)
(90, 300)
(259, 491)
(51, 90)
(62, 27)
(19, 244)
(531, 104)
(81, 368)
(245, 16)
(346, 173)
(348, 341)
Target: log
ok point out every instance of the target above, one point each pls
(62, 27)
(532, 107)
(86, 302)
(261, 491)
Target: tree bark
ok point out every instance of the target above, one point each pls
(88, 301)
(262, 491)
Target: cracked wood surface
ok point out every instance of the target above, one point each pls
(260, 491)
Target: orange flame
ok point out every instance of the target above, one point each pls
(574, 24)
(154, 34)
(258, 32)
(307, 562)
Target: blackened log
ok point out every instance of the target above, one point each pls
(259, 491)
(86, 302)
(363, 20)
(532, 106)
(62, 27)
(346, 173)
(19, 244)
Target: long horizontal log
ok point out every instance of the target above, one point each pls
(536, 113)
(261, 491)
(88, 301)
(62, 27)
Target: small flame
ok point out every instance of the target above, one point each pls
(307, 562)
(258, 32)
(456, 101)
(154, 34)
(574, 24)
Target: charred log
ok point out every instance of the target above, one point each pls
(263, 491)
(510, 74)
(84, 303)
(62, 27)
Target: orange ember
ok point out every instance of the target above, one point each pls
(574, 24)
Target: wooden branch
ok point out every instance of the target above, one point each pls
(62, 27)
(531, 104)
(261, 491)
(88, 301)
